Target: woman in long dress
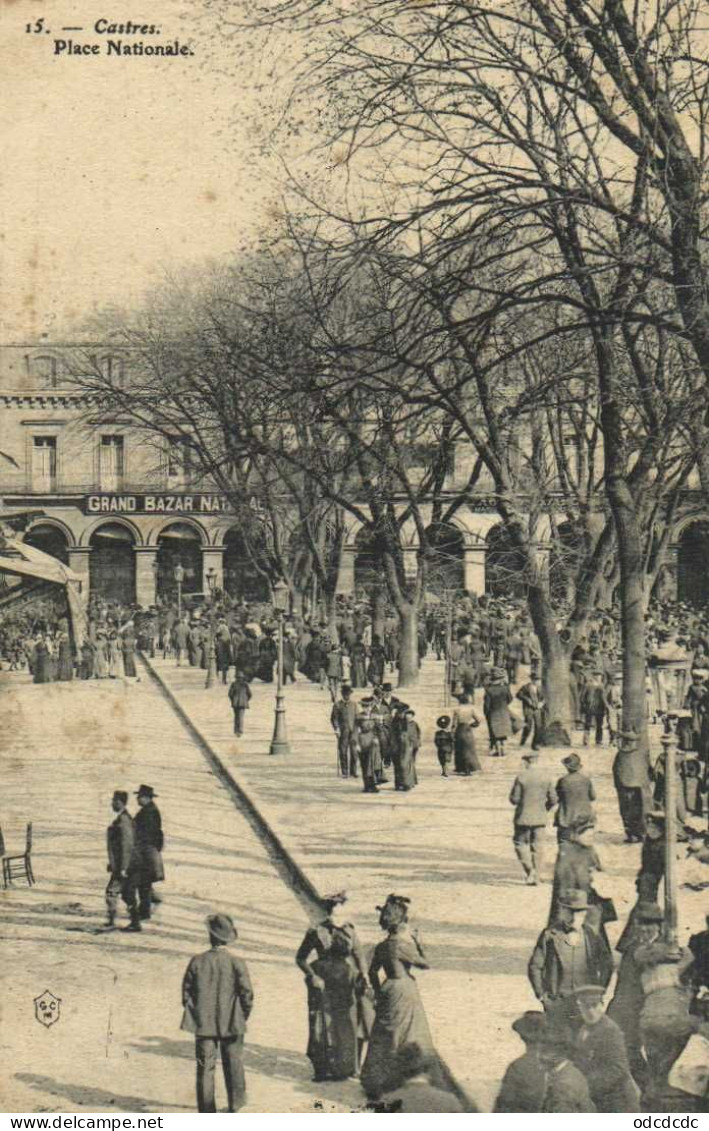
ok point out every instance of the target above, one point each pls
(497, 712)
(101, 656)
(339, 1013)
(128, 647)
(407, 747)
(465, 719)
(66, 658)
(400, 1022)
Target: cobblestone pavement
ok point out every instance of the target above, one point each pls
(446, 844)
(118, 1045)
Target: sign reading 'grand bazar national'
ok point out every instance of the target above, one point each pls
(156, 504)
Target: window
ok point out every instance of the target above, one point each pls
(110, 458)
(178, 462)
(44, 464)
(111, 368)
(44, 369)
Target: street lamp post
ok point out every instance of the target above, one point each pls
(179, 575)
(212, 657)
(669, 670)
(155, 581)
(279, 742)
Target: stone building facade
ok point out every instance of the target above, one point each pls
(122, 508)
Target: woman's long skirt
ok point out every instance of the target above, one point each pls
(400, 1021)
(466, 759)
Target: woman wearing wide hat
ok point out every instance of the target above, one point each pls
(339, 1013)
(400, 1021)
(497, 712)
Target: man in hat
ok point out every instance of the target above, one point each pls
(522, 1088)
(602, 1057)
(119, 841)
(217, 999)
(631, 777)
(565, 1086)
(575, 794)
(343, 717)
(530, 697)
(443, 740)
(569, 954)
(533, 796)
(240, 698)
(146, 867)
(593, 707)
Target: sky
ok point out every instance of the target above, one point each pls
(117, 169)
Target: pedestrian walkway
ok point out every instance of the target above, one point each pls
(447, 845)
(118, 1045)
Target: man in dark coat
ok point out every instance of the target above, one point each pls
(575, 794)
(222, 646)
(239, 697)
(522, 1088)
(533, 796)
(629, 996)
(593, 707)
(344, 716)
(567, 955)
(565, 1087)
(146, 867)
(631, 777)
(530, 697)
(218, 999)
(119, 842)
(602, 1057)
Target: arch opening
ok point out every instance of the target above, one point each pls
(179, 543)
(504, 566)
(112, 563)
(445, 558)
(50, 540)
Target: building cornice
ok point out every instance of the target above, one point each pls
(44, 398)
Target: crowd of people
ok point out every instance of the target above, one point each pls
(583, 1052)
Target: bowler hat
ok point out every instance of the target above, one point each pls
(395, 900)
(387, 687)
(443, 721)
(346, 689)
(575, 900)
(120, 795)
(145, 791)
(530, 1025)
(571, 761)
(221, 927)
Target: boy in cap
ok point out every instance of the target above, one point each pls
(218, 999)
(565, 1087)
(444, 743)
(119, 842)
(602, 1057)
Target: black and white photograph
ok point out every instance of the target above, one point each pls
(354, 558)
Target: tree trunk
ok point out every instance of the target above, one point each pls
(378, 610)
(632, 607)
(555, 671)
(408, 645)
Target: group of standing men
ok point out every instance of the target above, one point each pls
(135, 847)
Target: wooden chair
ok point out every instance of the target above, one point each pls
(19, 867)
